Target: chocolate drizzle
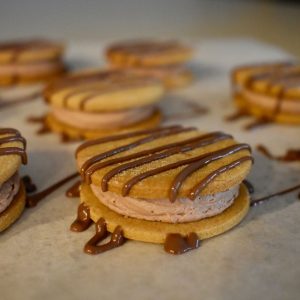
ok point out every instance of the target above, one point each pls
(177, 244)
(18, 100)
(33, 200)
(74, 190)
(30, 187)
(13, 136)
(290, 155)
(258, 123)
(236, 116)
(249, 186)
(44, 129)
(283, 192)
(117, 239)
(83, 220)
(150, 155)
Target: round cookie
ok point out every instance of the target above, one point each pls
(15, 209)
(156, 232)
(74, 133)
(147, 53)
(28, 51)
(181, 162)
(269, 91)
(102, 91)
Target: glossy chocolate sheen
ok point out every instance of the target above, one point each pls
(83, 220)
(290, 155)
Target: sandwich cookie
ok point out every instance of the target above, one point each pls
(170, 185)
(12, 191)
(269, 92)
(30, 61)
(100, 103)
(163, 60)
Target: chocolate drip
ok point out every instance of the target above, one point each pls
(117, 239)
(122, 136)
(83, 220)
(208, 139)
(236, 116)
(162, 133)
(283, 192)
(290, 155)
(33, 200)
(177, 244)
(44, 129)
(19, 100)
(202, 161)
(14, 151)
(175, 148)
(74, 190)
(249, 186)
(258, 123)
(30, 187)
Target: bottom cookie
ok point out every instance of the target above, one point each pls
(15, 209)
(156, 232)
(77, 133)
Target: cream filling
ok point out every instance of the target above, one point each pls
(29, 69)
(181, 211)
(102, 120)
(269, 103)
(8, 190)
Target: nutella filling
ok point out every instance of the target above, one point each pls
(8, 190)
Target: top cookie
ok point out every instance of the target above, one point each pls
(12, 152)
(167, 162)
(26, 51)
(148, 53)
(101, 91)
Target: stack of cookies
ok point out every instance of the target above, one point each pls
(269, 92)
(160, 59)
(30, 61)
(12, 191)
(99, 103)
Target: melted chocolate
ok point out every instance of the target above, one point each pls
(117, 239)
(13, 136)
(30, 187)
(283, 192)
(289, 156)
(83, 220)
(236, 116)
(249, 186)
(147, 156)
(44, 129)
(258, 123)
(33, 200)
(19, 100)
(177, 244)
(74, 190)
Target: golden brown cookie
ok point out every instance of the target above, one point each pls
(269, 91)
(30, 61)
(148, 53)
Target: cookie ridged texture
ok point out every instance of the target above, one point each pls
(156, 232)
(158, 186)
(28, 51)
(9, 163)
(14, 210)
(79, 133)
(101, 91)
(148, 53)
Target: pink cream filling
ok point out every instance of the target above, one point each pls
(102, 120)
(181, 211)
(30, 68)
(8, 190)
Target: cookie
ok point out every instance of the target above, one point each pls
(155, 182)
(159, 59)
(98, 103)
(148, 53)
(269, 91)
(172, 76)
(12, 193)
(30, 61)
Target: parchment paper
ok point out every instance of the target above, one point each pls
(260, 259)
